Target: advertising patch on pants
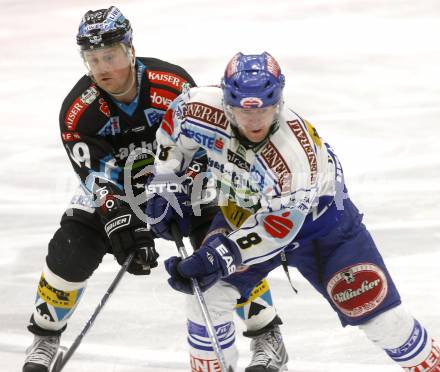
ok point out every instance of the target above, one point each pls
(204, 365)
(359, 289)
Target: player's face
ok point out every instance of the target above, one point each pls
(110, 67)
(254, 123)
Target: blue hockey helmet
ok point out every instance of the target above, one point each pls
(103, 27)
(252, 81)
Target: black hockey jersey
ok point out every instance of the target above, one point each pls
(99, 133)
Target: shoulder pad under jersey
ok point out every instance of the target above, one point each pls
(84, 109)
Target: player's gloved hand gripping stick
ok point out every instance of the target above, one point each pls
(177, 236)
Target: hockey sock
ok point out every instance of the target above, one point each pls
(202, 354)
(419, 353)
(220, 300)
(257, 311)
(55, 301)
(405, 340)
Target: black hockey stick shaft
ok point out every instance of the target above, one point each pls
(177, 236)
(98, 309)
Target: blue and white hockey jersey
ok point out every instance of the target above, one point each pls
(274, 194)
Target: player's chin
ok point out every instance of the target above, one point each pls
(106, 83)
(111, 88)
(256, 135)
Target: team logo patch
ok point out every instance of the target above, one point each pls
(232, 66)
(303, 140)
(82, 200)
(115, 127)
(206, 114)
(153, 116)
(313, 133)
(57, 297)
(358, 290)
(112, 127)
(241, 150)
(70, 136)
(277, 164)
(278, 226)
(202, 136)
(185, 88)
(251, 102)
(432, 360)
(78, 107)
(218, 144)
(161, 98)
(117, 223)
(89, 95)
(103, 107)
(272, 66)
(166, 78)
(238, 160)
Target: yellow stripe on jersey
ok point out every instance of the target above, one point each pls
(234, 214)
(313, 133)
(56, 297)
(258, 291)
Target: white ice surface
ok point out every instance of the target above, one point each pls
(365, 72)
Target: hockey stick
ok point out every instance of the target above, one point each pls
(63, 359)
(177, 236)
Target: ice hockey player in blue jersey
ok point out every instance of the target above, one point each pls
(282, 197)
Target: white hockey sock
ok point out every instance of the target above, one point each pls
(419, 353)
(220, 300)
(405, 340)
(56, 300)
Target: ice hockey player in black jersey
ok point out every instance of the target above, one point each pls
(108, 119)
(108, 125)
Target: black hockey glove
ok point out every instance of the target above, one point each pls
(127, 233)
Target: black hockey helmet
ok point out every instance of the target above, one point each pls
(103, 27)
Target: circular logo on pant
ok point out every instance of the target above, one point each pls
(358, 290)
